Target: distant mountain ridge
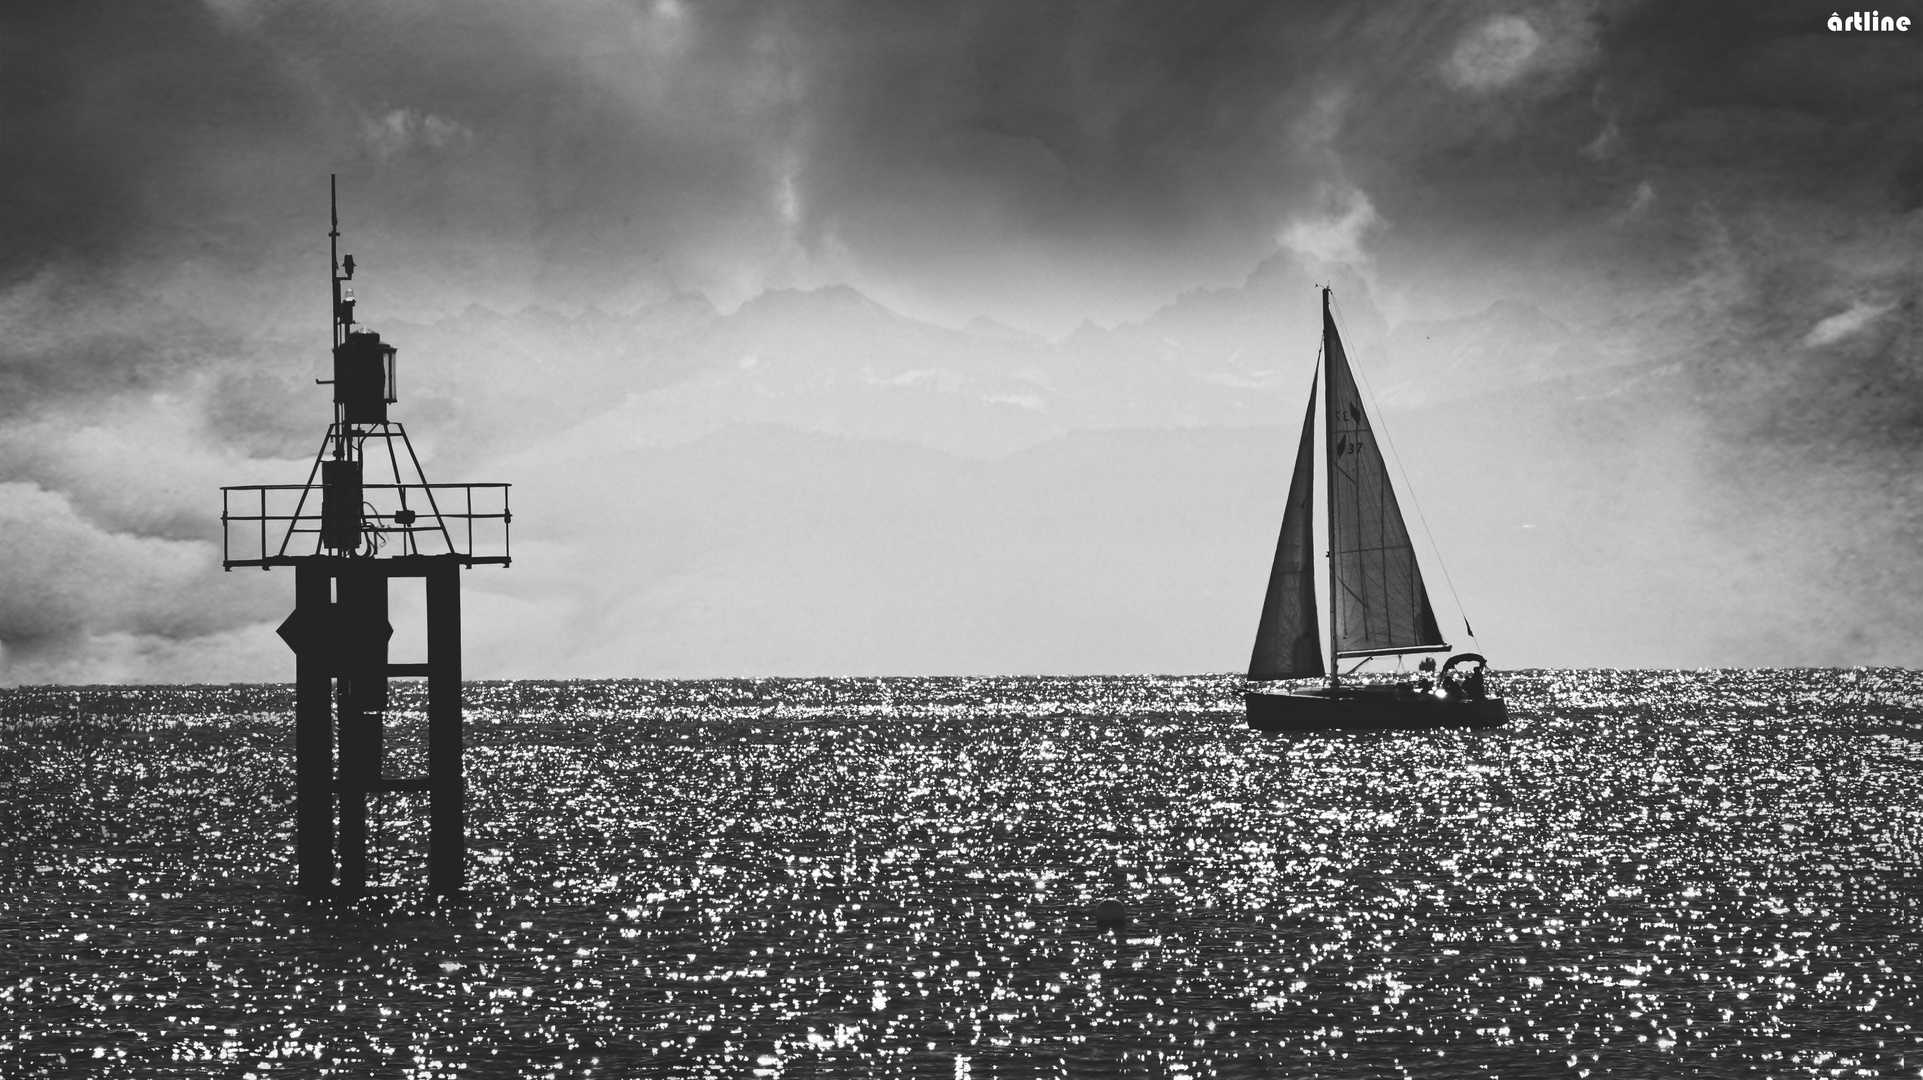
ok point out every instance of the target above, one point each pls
(834, 361)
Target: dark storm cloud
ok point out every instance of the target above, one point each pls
(1769, 99)
(1783, 158)
(1607, 137)
(591, 150)
(582, 147)
(116, 118)
(1135, 117)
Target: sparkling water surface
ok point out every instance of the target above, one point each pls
(1646, 874)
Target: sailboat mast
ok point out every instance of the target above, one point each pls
(1328, 437)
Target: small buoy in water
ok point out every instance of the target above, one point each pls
(1110, 913)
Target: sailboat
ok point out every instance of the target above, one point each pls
(1377, 604)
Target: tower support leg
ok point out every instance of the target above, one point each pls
(313, 739)
(447, 841)
(361, 697)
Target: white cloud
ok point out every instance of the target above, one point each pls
(64, 576)
(787, 194)
(1336, 232)
(109, 514)
(144, 465)
(1606, 143)
(1639, 201)
(1315, 131)
(1538, 50)
(1845, 323)
(1494, 55)
(401, 131)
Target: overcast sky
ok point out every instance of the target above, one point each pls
(1728, 188)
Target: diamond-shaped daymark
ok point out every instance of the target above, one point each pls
(321, 635)
(308, 630)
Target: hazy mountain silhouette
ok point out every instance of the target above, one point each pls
(833, 361)
(813, 483)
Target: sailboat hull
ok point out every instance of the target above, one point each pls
(1365, 711)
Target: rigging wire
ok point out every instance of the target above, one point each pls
(1343, 327)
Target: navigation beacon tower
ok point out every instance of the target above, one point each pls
(371, 518)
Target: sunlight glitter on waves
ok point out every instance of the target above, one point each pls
(791, 871)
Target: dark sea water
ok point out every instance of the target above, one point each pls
(1647, 874)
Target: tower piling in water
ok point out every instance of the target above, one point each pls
(348, 537)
